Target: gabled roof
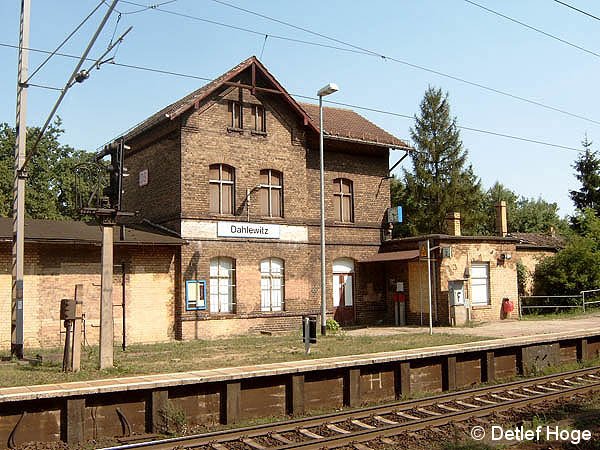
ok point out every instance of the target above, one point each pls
(346, 124)
(191, 100)
(340, 124)
(71, 232)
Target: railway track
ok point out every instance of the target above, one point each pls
(351, 428)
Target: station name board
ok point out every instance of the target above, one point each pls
(248, 230)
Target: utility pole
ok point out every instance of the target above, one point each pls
(21, 160)
(18, 247)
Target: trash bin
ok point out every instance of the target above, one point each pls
(309, 329)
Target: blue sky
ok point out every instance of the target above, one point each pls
(450, 36)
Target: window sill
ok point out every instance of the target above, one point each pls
(235, 130)
(273, 219)
(481, 307)
(258, 133)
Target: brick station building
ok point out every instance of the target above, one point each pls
(233, 168)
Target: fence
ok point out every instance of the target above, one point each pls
(583, 301)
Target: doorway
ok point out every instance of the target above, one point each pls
(343, 291)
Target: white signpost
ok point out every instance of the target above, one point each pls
(248, 230)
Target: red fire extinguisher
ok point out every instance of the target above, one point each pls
(507, 306)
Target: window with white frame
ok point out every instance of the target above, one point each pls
(480, 284)
(271, 284)
(222, 285)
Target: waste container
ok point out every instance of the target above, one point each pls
(309, 329)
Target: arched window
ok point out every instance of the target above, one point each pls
(222, 285)
(271, 284)
(221, 188)
(271, 193)
(343, 200)
(343, 274)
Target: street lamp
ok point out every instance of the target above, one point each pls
(330, 88)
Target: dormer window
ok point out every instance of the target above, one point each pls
(236, 115)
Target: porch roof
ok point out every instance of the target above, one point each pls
(403, 255)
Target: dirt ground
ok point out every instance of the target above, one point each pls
(499, 329)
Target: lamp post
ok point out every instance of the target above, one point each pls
(330, 88)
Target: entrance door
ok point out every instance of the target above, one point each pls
(343, 291)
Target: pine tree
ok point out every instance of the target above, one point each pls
(588, 174)
(441, 181)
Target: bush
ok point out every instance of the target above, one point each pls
(573, 269)
(332, 326)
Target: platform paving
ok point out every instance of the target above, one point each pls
(14, 394)
(500, 328)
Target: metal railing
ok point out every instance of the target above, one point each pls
(581, 301)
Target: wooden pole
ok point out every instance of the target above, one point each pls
(77, 328)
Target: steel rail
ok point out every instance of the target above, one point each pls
(225, 436)
(392, 430)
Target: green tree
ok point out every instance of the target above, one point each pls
(497, 193)
(536, 216)
(587, 169)
(50, 189)
(525, 215)
(441, 181)
(574, 268)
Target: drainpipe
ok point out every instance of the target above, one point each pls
(123, 304)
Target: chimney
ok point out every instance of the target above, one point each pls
(501, 223)
(453, 223)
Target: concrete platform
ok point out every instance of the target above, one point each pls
(85, 410)
(80, 388)
(501, 328)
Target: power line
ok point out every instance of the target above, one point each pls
(142, 7)
(64, 41)
(537, 30)
(364, 51)
(477, 130)
(364, 108)
(578, 10)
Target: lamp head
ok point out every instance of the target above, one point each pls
(329, 88)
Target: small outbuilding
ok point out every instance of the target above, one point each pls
(62, 254)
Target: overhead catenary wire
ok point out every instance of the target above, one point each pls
(537, 30)
(361, 50)
(38, 68)
(63, 92)
(348, 105)
(578, 10)
(142, 7)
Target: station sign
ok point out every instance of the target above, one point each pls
(248, 230)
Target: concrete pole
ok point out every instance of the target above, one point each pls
(322, 194)
(429, 288)
(106, 303)
(18, 247)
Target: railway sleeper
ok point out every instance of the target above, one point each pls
(361, 424)
(309, 434)
(252, 443)
(337, 429)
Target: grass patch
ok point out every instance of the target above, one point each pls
(572, 313)
(199, 355)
